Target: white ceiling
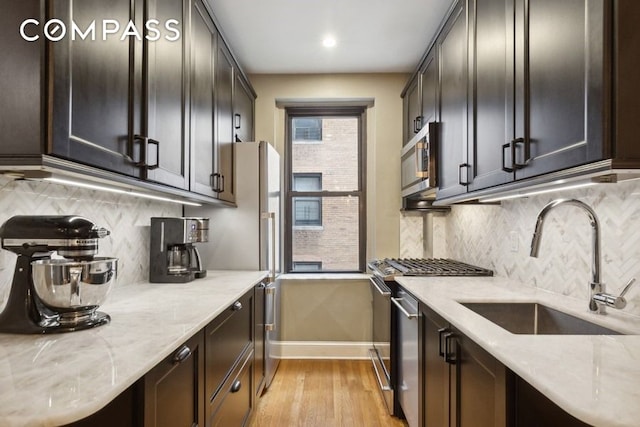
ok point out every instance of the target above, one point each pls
(285, 36)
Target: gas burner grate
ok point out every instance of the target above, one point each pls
(435, 267)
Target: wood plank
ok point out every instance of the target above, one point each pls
(323, 393)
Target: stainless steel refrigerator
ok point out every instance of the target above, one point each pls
(248, 237)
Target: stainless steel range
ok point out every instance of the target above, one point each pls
(393, 322)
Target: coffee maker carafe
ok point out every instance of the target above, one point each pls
(173, 257)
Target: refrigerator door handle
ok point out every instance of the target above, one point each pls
(270, 291)
(272, 217)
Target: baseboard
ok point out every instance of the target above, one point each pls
(322, 349)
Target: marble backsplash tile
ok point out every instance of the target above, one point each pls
(125, 216)
(499, 237)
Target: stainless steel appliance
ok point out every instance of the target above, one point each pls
(395, 327)
(419, 164)
(248, 237)
(55, 295)
(173, 258)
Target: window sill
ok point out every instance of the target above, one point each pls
(308, 228)
(324, 276)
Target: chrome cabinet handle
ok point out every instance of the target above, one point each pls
(236, 120)
(404, 311)
(236, 386)
(181, 355)
(237, 306)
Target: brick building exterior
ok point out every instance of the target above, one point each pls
(329, 236)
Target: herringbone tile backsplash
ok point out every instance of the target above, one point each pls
(127, 217)
(499, 238)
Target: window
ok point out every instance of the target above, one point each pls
(307, 129)
(307, 211)
(307, 266)
(325, 197)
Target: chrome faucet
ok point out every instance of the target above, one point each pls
(598, 299)
(595, 286)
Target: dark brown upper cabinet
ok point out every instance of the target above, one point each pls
(120, 104)
(145, 105)
(243, 110)
(203, 51)
(453, 86)
(95, 89)
(223, 179)
(534, 90)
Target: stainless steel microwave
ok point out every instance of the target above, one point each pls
(420, 163)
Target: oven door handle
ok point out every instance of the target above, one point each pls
(384, 293)
(404, 311)
(373, 355)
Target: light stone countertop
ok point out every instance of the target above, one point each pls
(53, 379)
(594, 378)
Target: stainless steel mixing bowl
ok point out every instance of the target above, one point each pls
(74, 286)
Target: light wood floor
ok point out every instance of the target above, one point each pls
(323, 393)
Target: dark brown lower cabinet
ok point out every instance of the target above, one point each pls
(464, 386)
(233, 403)
(533, 409)
(174, 389)
(207, 381)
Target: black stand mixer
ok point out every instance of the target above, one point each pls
(55, 295)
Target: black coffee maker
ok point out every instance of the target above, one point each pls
(55, 295)
(173, 258)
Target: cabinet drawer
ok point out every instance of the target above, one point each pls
(226, 339)
(173, 389)
(233, 403)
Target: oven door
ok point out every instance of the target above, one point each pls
(380, 354)
(418, 162)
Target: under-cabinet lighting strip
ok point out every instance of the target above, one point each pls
(537, 192)
(119, 191)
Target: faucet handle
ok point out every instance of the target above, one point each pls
(619, 301)
(627, 287)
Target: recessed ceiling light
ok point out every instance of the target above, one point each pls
(329, 41)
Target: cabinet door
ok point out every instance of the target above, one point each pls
(224, 180)
(203, 48)
(436, 371)
(93, 87)
(227, 337)
(429, 89)
(452, 59)
(234, 403)
(174, 389)
(411, 110)
(480, 398)
(242, 110)
(491, 124)
(164, 139)
(559, 73)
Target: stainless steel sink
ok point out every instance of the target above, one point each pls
(537, 319)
